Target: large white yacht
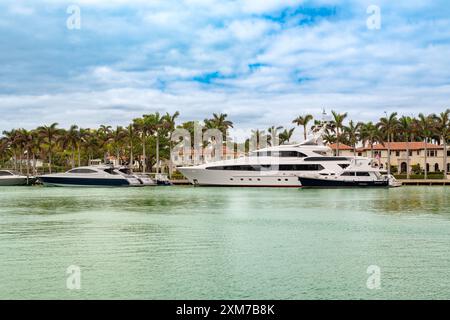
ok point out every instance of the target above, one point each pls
(278, 166)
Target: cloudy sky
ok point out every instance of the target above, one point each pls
(262, 62)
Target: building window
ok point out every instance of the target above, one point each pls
(432, 153)
(418, 152)
(397, 153)
(410, 153)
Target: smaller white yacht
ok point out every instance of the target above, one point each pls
(91, 176)
(12, 178)
(360, 173)
(144, 179)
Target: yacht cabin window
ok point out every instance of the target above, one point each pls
(326, 159)
(5, 173)
(362, 174)
(82, 171)
(267, 167)
(281, 154)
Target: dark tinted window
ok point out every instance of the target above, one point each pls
(110, 171)
(283, 167)
(82, 171)
(363, 174)
(291, 154)
(5, 173)
(300, 167)
(351, 174)
(343, 165)
(326, 159)
(282, 154)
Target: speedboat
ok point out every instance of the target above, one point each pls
(360, 173)
(91, 176)
(12, 178)
(162, 179)
(144, 179)
(277, 166)
(393, 182)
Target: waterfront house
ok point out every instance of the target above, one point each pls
(399, 156)
(204, 155)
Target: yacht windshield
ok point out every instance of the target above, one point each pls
(111, 171)
(82, 171)
(5, 173)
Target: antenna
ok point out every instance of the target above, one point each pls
(324, 114)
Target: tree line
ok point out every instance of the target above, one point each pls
(146, 140)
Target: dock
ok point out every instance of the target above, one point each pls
(180, 182)
(423, 182)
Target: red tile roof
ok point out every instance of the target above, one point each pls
(341, 146)
(403, 146)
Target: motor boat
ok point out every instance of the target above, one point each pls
(360, 173)
(12, 178)
(91, 176)
(277, 166)
(393, 182)
(162, 179)
(144, 179)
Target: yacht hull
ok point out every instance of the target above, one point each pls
(14, 182)
(204, 177)
(83, 182)
(325, 183)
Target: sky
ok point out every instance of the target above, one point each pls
(263, 62)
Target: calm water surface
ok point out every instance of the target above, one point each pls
(224, 243)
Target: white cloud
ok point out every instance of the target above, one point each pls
(132, 57)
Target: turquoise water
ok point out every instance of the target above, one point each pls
(224, 243)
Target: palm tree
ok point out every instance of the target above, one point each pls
(329, 137)
(387, 126)
(443, 128)
(140, 127)
(82, 135)
(131, 136)
(36, 148)
(91, 143)
(352, 131)
(153, 124)
(406, 130)
(70, 139)
(369, 133)
(26, 139)
(50, 134)
(219, 121)
(338, 123)
(425, 126)
(117, 137)
(272, 137)
(257, 135)
(9, 141)
(303, 121)
(104, 135)
(286, 135)
(170, 124)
